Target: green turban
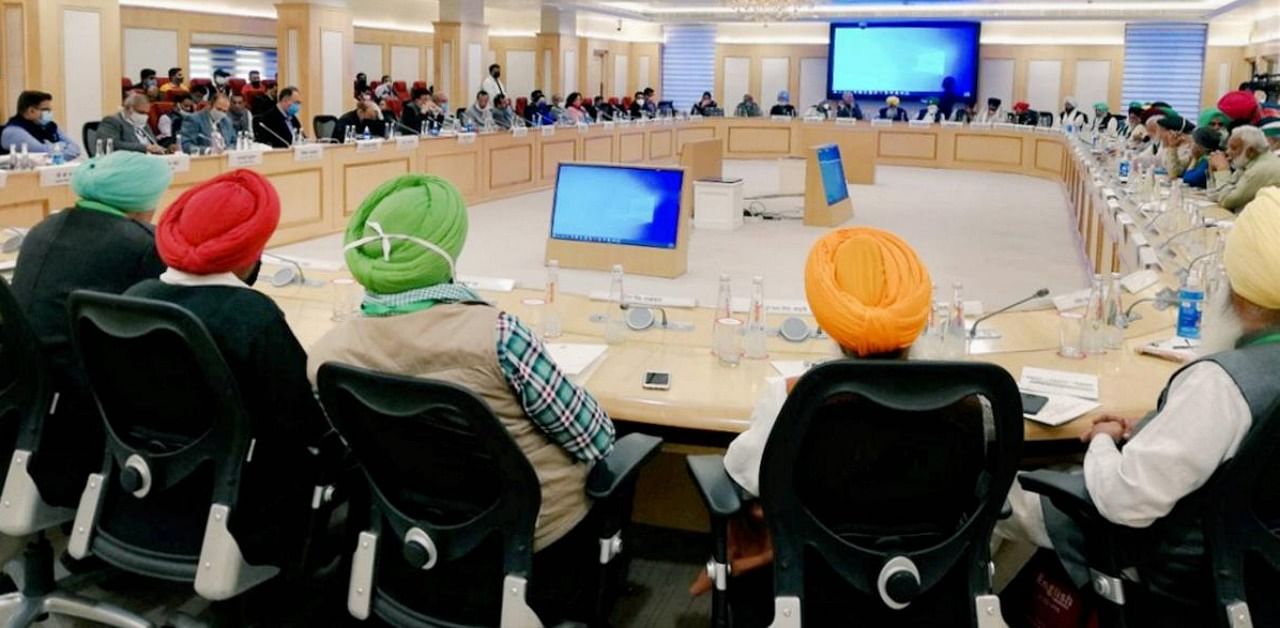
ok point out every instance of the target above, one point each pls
(1102, 106)
(412, 206)
(1211, 114)
(122, 181)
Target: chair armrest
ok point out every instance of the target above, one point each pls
(1067, 491)
(621, 465)
(717, 489)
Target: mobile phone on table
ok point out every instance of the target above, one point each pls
(657, 380)
(1033, 404)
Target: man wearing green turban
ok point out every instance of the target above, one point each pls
(1103, 121)
(104, 243)
(1214, 119)
(402, 245)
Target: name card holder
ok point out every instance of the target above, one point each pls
(951, 124)
(650, 299)
(4, 178)
(1047, 130)
(368, 146)
(1024, 128)
(52, 176)
(668, 121)
(780, 118)
(406, 143)
(979, 125)
(487, 284)
(520, 131)
(881, 122)
(466, 138)
(920, 124)
(308, 152)
(583, 128)
(1006, 126)
(244, 158)
(178, 162)
(846, 122)
(773, 306)
(548, 131)
(1147, 258)
(814, 119)
(608, 124)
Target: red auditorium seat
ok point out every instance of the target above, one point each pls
(237, 85)
(419, 84)
(395, 106)
(613, 100)
(626, 103)
(161, 81)
(126, 84)
(208, 83)
(153, 117)
(269, 83)
(174, 95)
(521, 104)
(401, 90)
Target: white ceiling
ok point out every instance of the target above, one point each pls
(524, 15)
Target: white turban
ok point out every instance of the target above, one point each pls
(1252, 255)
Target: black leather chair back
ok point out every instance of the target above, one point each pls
(882, 481)
(1242, 527)
(168, 399)
(323, 125)
(439, 464)
(26, 392)
(90, 138)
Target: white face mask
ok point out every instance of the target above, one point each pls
(933, 109)
(388, 238)
(137, 119)
(217, 115)
(640, 101)
(221, 80)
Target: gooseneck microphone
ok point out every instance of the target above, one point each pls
(266, 128)
(1040, 294)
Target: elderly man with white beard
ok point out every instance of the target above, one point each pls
(1207, 410)
(1248, 166)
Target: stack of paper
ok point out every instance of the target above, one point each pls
(1071, 395)
(573, 359)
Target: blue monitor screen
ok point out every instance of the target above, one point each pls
(617, 205)
(908, 59)
(832, 169)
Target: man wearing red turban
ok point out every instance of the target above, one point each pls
(212, 238)
(1241, 106)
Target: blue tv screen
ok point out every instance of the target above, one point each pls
(908, 59)
(832, 169)
(617, 205)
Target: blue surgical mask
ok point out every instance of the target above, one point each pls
(46, 117)
(293, 109)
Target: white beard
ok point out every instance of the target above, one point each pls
(1222, 327)
(1240, 161)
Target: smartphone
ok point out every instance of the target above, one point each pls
(657, 380)
(1033, 404)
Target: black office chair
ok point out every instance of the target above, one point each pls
(89, 135)
(1234, 585)
(323, 125)
(881, 482)
(453, 497)
(1047, 118)
(27, 398)
(188, 490)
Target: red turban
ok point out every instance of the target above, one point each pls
(1240, 106)
(219, 226)
(1021, 106)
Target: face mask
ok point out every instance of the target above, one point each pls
(388, 238)
(640, 101)
(217, 115)
(46, 117)
(149, 83)
(255, 82)
(933, 109)
(293, 109)
(137, 119)
(221, 80)
(497, 74)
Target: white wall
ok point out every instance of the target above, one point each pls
(14, 53)
(642, 72)
(813, 82)
(1044, 84)
(404, 64)
(475, 73)
(520, 73)
(1093, 80)
(620, 76)
(737, 77)
(81, 70)
(368, 59)
(149, 48)
(569, 73)
(775, 75)
(995, 80)
(333, 75)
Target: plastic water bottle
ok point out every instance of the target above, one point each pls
(756, 346)
(1191, 307)
(615, 327)
(422, 131)
(724, 305)
(953, 345)
(99, 148)
(1094, 339)
(1125, 165)
(55, 154)
(1114, 312)
(551, 317)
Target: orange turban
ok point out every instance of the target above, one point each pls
(868, 289)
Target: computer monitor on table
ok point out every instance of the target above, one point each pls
(606, 214)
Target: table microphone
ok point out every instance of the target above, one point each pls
(273, 133)
(407, 128)
(1206, 224)
(1040, 294)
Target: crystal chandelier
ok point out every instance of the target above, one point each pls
(770, 10)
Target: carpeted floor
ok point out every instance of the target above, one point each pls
(1002, 236)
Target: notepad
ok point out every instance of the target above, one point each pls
(573, 359)
(1062, 409)
(790, 368)
(1060, 383)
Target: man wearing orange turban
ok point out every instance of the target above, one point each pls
(212, 238)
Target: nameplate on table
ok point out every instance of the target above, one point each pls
(624, 122)
(4, 178)
(487, 284)
(244, 158)
(1024, 128)
(814, 119)
(979, 125)
(368, 146)
(668, 121)
(308, 152)
(1072, 300)
(846, 122)
(548, 130)
(467, 138)
(1141, 280)
(406, 143)
(881, 122)
(1113, 204)
(1110, 193)
(520, 131)
(608, 124)
(951, 124)
(915, 124)
(52, 176)
(696, 116)
(1054, 382)
(583, 128)
(780, 118)
(649, 300)
(773, 306)
(178, 162)
(1047, 130)
(1125, 219)
(1006, 126)
(1147, 258)
(1138, 239)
